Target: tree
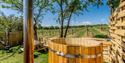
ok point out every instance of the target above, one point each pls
(113, 4)
(67, 8)
(39, 7)
(9, 24)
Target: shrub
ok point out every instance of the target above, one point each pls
(101, 36)
(36, 54)
(14, 49)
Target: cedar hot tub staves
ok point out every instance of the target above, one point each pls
(75, 50)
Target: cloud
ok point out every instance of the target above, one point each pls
(85, 23)
(82, 23)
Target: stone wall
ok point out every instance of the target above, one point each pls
(117, 33)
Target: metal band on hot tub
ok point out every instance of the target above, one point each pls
(75, 55)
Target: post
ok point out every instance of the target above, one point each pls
(28, 33)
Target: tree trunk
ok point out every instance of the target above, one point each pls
(61, 30)
(101, 27)
(62, 20)
(87, 30)
(35, 32)
(7, 33)
(68, 25)
(8, 37)
(68, 22)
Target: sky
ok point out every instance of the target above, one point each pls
(94, 15)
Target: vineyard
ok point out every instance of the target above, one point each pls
(94, 31)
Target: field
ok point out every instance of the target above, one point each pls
(15, 56)
(95, 31)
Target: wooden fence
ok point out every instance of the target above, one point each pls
(14, 38)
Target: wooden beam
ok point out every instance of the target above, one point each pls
(28, 33)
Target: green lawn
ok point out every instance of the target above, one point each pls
(18, 57)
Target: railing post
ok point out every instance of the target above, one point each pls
(28, 32)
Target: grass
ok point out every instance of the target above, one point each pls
(81, 32)
(105, 28)
(18, 57)
(42, 58)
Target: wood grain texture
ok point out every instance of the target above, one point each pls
(117, 33)
(28, 33)
(90, 53)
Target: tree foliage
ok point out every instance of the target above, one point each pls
(13, 4)
(10, 23)
(113, 4)
(67, 8)
(39, 9)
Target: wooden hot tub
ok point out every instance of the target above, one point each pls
(75, 50)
